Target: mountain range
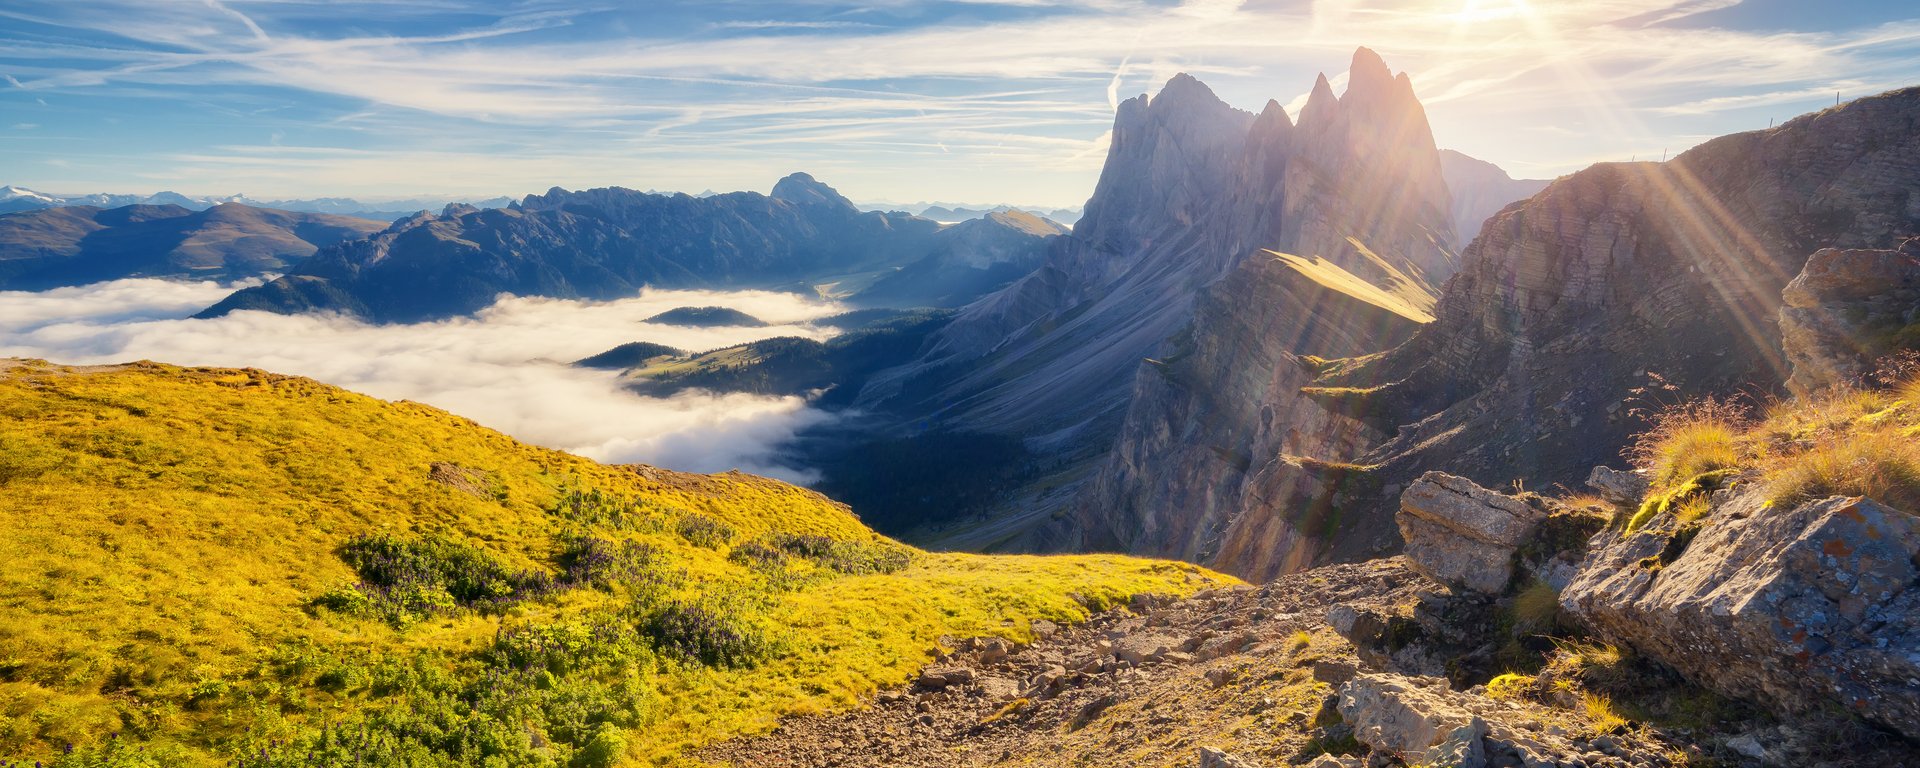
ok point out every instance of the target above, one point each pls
(14, 199)
(76, 244)
(608, 243)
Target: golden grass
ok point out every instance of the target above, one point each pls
(1883, 466)
(1511, 687)
(164, 531)
(1696, 448)
(1847, 441)
(1600, 713)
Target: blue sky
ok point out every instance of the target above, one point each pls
(900, 100)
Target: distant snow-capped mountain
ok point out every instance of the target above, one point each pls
(14, 199)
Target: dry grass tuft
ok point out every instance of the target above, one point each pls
(1599, 708)
(1881, 466)
(1691, 439)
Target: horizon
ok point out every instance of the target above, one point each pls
(923, 100)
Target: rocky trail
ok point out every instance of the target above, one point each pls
(1390, 662)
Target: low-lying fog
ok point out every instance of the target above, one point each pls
(505, 368)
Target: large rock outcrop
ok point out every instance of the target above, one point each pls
(1463, 535)
(1792, 608)
(1845, 310)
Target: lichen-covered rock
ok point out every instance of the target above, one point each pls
(1463, 535)
(1791, 608)
(1846, 308)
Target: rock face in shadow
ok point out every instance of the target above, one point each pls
(1845, 310)
(1796, 609)
(605, 244)
(75, 245)
(1218, 248)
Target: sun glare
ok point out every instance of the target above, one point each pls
(1477, 11)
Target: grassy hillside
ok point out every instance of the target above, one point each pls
(205, 566)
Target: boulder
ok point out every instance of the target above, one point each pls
(1794, 609)
(936, 678)
(1463, 535)
(1140, 649)
(1415, 719)
(1214, 758)
(1845, 309)
(1618, 486)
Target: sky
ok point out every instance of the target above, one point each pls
(979, 101)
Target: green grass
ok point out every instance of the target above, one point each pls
(203, 564)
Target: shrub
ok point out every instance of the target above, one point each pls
(1599, 709)
(1536, 609)
(703, 531)
(409, 579)
(594, 507)
(704, 633)
(848, 557)
(1882, 466)
(587, 561)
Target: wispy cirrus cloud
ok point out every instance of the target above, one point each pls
(909, 98)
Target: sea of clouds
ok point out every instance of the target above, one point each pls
(506, 367)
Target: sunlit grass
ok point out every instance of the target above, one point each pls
(166, 533)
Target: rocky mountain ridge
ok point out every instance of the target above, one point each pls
(1196, 196)
(1564, 306)
(74, 245)
(608, 243)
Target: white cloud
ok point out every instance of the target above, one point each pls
(505, 367)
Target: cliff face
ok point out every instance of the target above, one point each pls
(1564, 306)
(1216, 244)
(1357, 213)
(1050, 354)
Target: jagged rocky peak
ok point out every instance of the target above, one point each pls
(804, 189)
(1322, 107)
(1168, 155)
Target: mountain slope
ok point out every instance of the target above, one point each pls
(1480, 189)
(210, 565)
(973, 258)
(603, 244)
(73, 245)
(1576, 310)
(1193, 197)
